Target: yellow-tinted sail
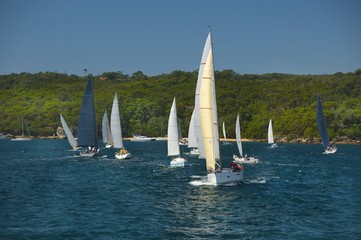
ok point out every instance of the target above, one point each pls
(206, 115)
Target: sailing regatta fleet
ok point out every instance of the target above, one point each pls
(203, 136)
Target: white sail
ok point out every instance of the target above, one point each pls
(214, 111)
(173, 136)
(270, 132)
(107, 135)
(206, 114)
(192, 138)
(72, 141)
(115, 127)
(198, 130)
(224, 131)
(238, 137)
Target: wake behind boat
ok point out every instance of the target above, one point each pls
(322, 128)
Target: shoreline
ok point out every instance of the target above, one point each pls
(281, 140)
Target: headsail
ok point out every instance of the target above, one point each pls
(107, 135)
(173, 136)
(115, 126)
(192, 138)
(321, 123)
(238, 137)
(87, 129)
(72, 141)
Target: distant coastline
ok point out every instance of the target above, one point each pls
(281, 140)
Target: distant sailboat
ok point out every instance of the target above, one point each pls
(22, 137)
(224, 135)
(107, 135)
(116, 131)
(208, 110)
(87, 128)
(242, 159)
(322, 128)
(71, 139)
(270, 135)
(173, 138)
(192, 136)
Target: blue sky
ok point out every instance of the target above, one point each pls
(160, 36)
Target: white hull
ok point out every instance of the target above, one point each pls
(194, 151)
(142, 139)
(274, 145)
(246, 160)
(178, 162)
(108, 145)
(226, 176)
(21, 139)
(87, 154)
(123, 156)
(330, 150)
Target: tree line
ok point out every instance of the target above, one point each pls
(145, 101)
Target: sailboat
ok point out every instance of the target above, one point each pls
(22, 137)
(270, 135)
(116, 131)
(224, 135)
(87, 128)
(107, 135)
(241, 158)
(192, 136)
(71, 139)
(322, 128)
(216, 175)
(173, 138)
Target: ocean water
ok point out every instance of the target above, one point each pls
(295, 192)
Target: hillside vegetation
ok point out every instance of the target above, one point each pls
(289, 100)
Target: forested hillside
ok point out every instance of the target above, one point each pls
(289, 100)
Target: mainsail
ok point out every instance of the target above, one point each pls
(206, 114)
(198, 130)
(72, 141)
(270, 132)
(87, 129)
(321, 123)
(238, 137)
(224, 131)
(115, 126)
(173, 136)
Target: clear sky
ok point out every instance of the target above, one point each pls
(160, 36)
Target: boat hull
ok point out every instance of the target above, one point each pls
(87, 154)
(20, 139)
(247, 160)
(178, 162)
(225, 176)
(123, 156)
(194, 151)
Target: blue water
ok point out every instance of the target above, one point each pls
(296, 192)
